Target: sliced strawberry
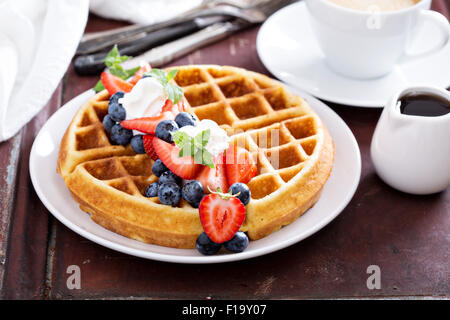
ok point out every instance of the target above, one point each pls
(140, 73)
(240, 166)
(174, 108)
(221, 218)
(147, 124)
(114, 84)
(184, 167)
(168, 106)
(148, 146)
(181, 106)
(214, 177)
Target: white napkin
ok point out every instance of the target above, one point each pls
(38, 39)
(141, 11)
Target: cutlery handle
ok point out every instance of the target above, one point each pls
(108, 39)
(93, 64)
(168, 52)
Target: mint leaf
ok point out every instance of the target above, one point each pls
(186, 150)
(207, 159)
(99, 86)
(114, 58)
(112, 61)
(201, 139)
(194, 147)
(171, 74)
(159, 75)
(181, 138)
(118, 71)
(131, 72)
(174, 92)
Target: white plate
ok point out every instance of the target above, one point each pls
(54, 194)
(288, 49)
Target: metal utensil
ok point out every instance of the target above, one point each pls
(93, 64)
(241, 4)
(253, 14)
(166, 53)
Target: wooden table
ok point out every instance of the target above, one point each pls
(407, 236)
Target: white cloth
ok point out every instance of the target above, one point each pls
(38, 39)
(141, 11)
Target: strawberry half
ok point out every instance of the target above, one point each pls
(221, 217)
(184, 167)
(140, 73)
(148, 146)
(114, 84)
(174, 108)
(147, 124)
(240, 166)
(213, 177)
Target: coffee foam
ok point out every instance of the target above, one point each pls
(375, 5)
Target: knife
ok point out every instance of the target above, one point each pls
(170, 51)
(93, 64)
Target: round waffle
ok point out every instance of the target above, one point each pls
(291, 146)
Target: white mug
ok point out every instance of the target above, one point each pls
(412, 153)
(365, 45)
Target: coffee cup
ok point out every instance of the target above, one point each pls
(368, 44)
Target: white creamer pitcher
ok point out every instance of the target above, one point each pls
(412, 153)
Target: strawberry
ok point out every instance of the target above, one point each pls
(175, 109)
(140, 73)
(221, 216)
(148, 146)
(114, 84)
(184, 167)
(213, 177)
(147, 124)
(240, 166)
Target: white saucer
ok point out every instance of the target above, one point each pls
(288, 49)
(51, 189)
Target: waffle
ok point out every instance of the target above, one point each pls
(291, 146)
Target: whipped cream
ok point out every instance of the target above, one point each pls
(218, 140)
(146, 99)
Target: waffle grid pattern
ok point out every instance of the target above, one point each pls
(292, 148)
(262, 117)
(277, 128)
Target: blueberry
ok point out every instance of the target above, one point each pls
(193, 193)
(169, 193)
(238, 243)
(164, 129)
(152, 190)
(120, 135)
(137, 143)
(244, 194)
(108, 123)
(185, 119)
(159, 168)
(169, 177)
(115, 109)
(206, 246)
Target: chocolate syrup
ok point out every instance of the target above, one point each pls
(425, 105)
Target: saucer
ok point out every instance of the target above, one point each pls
(51, 189)
(288, 49)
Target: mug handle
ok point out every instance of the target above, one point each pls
(444, 28)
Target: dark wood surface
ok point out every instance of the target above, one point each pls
(407, 236)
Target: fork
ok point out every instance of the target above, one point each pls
(252, 14)
(166, 53)
(241, 4)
